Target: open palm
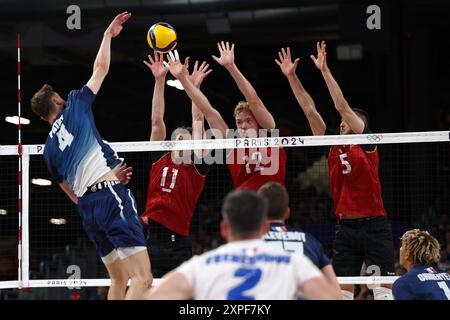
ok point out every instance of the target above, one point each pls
(176, 68)
(321, 60)
(117, 24)
(156, 65)
(199, 73)
(226, 58)
(285, 63)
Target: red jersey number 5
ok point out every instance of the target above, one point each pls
(348, 167)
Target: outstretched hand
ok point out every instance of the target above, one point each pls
(116, 25)
(321, 60)
(198, 74)
(176, 68)
(156, 65)
(226, 54)
(285, 63)
(124, 174)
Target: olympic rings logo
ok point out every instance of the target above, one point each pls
(167, 144)
(375, 137)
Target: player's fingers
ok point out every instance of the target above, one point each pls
(223, 45)
(172, 57)
(220, 47)
(289, 53)
(283, 52)
(280, 56)
(296, 62)
(195, 66)
(318, 46)
(278, 62)
(186, 62)
(146, 63)
(202, 66)
(215, 58)
(208, 72)
(177, 57)
(228, 46)
(206, 67)
(151, 59)
(232, 47)
(165, 64)
(313, 59)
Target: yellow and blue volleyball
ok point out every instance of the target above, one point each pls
(162, 37)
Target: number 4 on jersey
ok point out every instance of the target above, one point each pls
(65, 138)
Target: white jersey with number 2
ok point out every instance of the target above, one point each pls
(247, 270)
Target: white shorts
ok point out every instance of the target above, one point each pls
(121, 253)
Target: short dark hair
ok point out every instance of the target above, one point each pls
(41, 102)
(363, 115)
(181, 130)
(245, 211)
(277, 199)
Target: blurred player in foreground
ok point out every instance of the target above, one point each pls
(289, 238)
(246, 268)
(419, 254)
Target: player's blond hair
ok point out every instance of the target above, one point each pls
(422, 247)
(241, 106)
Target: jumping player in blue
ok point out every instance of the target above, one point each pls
(86, 168)
(423, 281)
(289, 238)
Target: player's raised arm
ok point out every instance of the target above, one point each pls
(259, 110)
(103, 59)
(158, 131)
(180, 71)
(340, 103)
(198, 119)
(304, 99)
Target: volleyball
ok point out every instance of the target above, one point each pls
(162, 37)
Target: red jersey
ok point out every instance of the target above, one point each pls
(355, 186)
(254, 167)
(173, 192)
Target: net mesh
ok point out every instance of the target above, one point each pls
(415, 180)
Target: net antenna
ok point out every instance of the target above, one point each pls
(19, 153)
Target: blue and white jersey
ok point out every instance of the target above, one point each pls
(295, 240)
(74, 150)
(247, 270)
(422, 283)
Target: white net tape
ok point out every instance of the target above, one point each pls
(139, 146)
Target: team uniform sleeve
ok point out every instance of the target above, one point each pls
(188, 270)
(81, 99)
(401, 290)
(51, 169)
(322, 257)
(305, 269)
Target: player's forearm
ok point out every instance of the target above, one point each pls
(103, 58)
(158, 106)
(243, 84)
(303, 98)
(308, 106)
(335, 91)
(262, 115)
(199, 99)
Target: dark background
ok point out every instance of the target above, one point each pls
(402, 80)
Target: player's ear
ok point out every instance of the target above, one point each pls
(287, 213)
(265, 227)
(224, 229)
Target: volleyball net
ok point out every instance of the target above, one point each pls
(56, 252)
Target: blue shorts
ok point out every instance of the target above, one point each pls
(110, 219)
